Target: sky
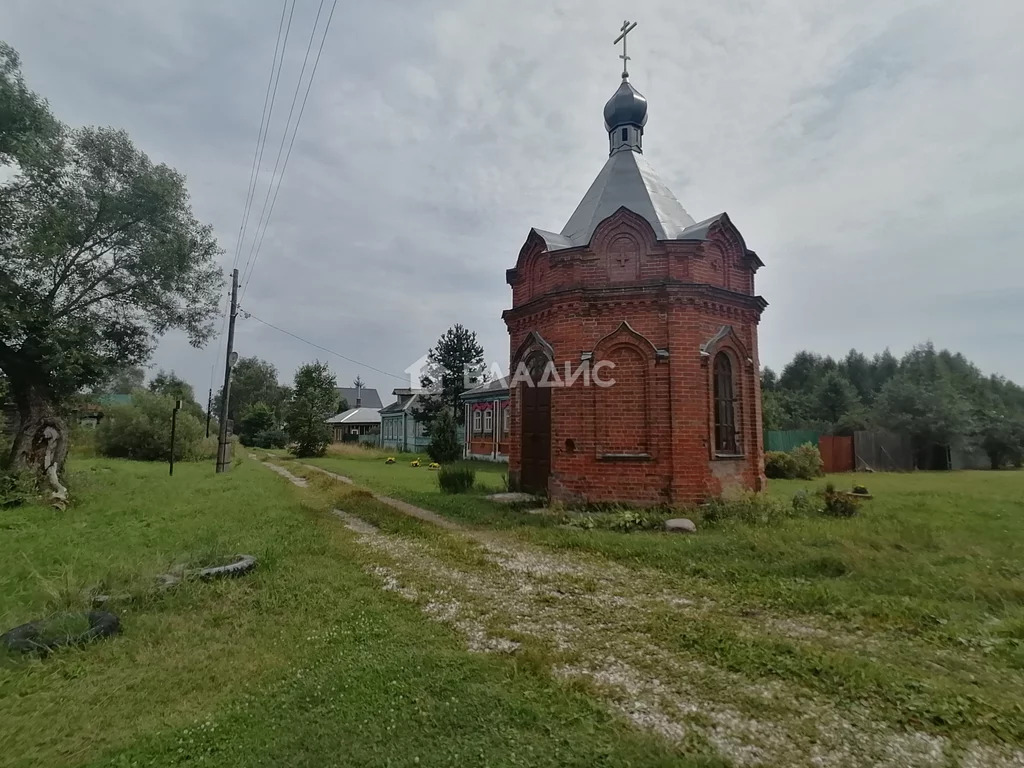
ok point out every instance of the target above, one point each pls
(870, 151)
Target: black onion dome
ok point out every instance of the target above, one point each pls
(627, 106)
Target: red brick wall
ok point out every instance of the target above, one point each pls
(675, 297)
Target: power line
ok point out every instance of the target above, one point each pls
(261, 139)
(291, 144)
(257, 158)
(248, 315)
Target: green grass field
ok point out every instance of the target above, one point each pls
(892, 638)
(306, 662)
(914, 608)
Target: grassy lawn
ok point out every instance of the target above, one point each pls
(305, 662)
(913, 609)
(418, 485)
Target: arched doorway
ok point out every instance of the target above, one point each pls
(536, 427)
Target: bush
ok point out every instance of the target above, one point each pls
(142, 431)
(779, 465)
(801, 463)
(17, 488)
(456, 479)
(838, 503)
(271, 438)
(808, 504)
(745, 507)
(445, 446)
(808, 461)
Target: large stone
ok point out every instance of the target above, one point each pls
(680, 525)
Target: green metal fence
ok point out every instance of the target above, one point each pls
(788, 439)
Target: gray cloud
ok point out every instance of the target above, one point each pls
(871, 152)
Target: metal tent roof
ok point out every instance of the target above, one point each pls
(626, 180)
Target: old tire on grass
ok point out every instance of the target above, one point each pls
(242, 565)
(30, 637)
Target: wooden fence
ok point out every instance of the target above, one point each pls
(881, 451)
(836, 453)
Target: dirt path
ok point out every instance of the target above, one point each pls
(587, 618)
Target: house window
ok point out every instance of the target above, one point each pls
(506, 417)
(725, 406)
(421, 428)
(488, 421)
(477, 422)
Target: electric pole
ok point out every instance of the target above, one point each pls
(223, 446)
(209, 407)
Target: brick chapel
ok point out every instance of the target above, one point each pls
(665, 307)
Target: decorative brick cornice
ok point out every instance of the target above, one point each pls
(666, 290)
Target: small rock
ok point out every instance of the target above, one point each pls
(510, 498)
(680, 525)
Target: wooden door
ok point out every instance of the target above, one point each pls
(536, 430)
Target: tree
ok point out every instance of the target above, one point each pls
(101, 256)
(444, 444)
(457, 360)
(1001, 436)
(312, 403)
(932, 413)
(837, 405)
(26, 124)
(252, 381)
(258, 420)
(122, 381)
(342, 406)
(171, 385)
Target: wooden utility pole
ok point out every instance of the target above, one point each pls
(223, 446)
(209, 407)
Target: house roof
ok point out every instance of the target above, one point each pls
(411, 405)
(495, 387)
(368, 398)
(627, 180)
(120, 399)
(356, 416)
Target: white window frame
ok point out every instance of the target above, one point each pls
(489, 421)
(506, 418)
(478, 427)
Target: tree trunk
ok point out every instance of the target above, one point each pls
(41, 442)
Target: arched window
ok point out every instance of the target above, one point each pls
(725, 407)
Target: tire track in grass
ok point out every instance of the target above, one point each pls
(581, 613)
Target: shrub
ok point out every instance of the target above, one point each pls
(801, 463)
(806, 503)
(456, 479)
(142, 431)
(17, 488)
(444, 445)
(779, 465)
(838, 503)
(270, 438)
(808, 461)
(745, 507)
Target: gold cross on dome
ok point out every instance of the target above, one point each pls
(625, 29)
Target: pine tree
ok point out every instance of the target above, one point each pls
(445, 446)
(457, 360)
